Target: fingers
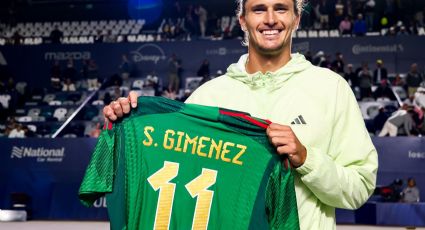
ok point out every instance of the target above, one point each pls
(109, 114)
(116, 107)
(125, 104)
(132, 96)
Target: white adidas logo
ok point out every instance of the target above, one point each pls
(299, 121)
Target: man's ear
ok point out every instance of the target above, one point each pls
(297, 22)
(242, 22)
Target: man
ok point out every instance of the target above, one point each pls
(318, 124)
(402, 118)
(413, 79)
(380, 73)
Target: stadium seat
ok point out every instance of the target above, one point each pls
(192, 83)
(24, 119)
(138, 84)
(55, 102)
(98, 102)
(4, 100)
(60, 113)
(34, 113)
(400, 91)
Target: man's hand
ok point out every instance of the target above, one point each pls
(119, 107)
(287, 143)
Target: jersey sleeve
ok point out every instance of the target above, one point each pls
(99, 175)
(281, 203)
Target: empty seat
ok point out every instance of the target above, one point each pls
(34, 113)
(60, 113)
(24, 119)
(138, 84)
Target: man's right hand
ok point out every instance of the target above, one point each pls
(119, 107)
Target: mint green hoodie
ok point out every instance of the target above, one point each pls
(341, 165)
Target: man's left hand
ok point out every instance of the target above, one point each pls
(287, 143)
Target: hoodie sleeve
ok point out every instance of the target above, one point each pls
(345, 176)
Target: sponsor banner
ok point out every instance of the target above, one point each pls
(401, 158)
(396, 52)
(51, 170)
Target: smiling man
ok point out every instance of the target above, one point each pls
(317, 122)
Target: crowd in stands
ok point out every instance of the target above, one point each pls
(394, 103)
(186, 22)
(398, 192)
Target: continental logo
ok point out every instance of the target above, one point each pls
(416, 155)
(61, 56)
(365, 49)
(40, 154)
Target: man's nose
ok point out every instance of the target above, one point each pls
(270, 18)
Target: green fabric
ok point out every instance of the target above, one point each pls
(341, 165)
(253, 190)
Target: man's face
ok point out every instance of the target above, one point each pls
(270, 24)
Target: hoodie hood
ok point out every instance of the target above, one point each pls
(269, 80)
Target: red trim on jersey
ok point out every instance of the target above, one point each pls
(246, 117)
(107, 125)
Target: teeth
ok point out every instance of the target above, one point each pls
(270, 32)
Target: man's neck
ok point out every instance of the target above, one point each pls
(263, 63)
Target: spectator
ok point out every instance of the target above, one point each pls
(124, 67)
(411, 192)
(351, 76)
(365, 82)
(70, 71)
(92, 76)
(202, 14)
(173, 74)
(204, 69)
(338, 64)
(380, 73)
(401, 118)
(17, 132)
(380, 119)
(384, 91)
(95, 132)
(369, 9)
(99, 37)
(322, 11)
(152, 81)
(419, 99)
(398, 81)
(403, 31)
(68, 85)
(413, 79)
(55, 76)
(359, 27)
(345, 26)
(56, 35)
(17, 37)
(29, 132)
(339, 13)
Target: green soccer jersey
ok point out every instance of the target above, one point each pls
(170, 165)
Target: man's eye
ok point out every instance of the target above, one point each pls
(281, 10)
(258, 10)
